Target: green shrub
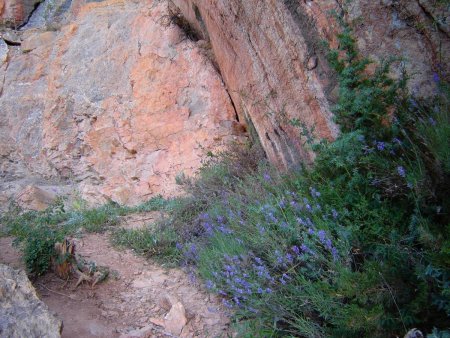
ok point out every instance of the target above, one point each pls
(37, 232)
(157, 243)
(357, 245)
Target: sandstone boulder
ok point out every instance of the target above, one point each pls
(35, 198)
(22, 314)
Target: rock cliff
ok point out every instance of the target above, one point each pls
(114, 99)
(274, 64)
(115, 102)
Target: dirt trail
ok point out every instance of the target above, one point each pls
(132, 302)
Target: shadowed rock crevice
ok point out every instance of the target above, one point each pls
(35, 8)
(12, 43)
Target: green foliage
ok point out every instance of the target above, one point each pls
(158, 243)
(357, 245)
(37, 232)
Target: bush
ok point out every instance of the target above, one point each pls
(357, 245)
(37, 232)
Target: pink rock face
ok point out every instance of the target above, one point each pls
(116, 102)
(263, 55)
(273, 63)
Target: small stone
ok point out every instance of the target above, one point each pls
(157, 322)
(175, 320)
(312, 62)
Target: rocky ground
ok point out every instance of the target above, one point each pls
(139, 299)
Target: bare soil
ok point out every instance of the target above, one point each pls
(132, 302)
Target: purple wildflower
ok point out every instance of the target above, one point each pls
(267, 177)
(209, 284)
(375, 182)
(261, 229)
(413, 103)
(401, 171)
(208, 228)
(321, 235)
(300, 221)
(314, 192)
(432, 121)
(227, 304)
(335, 254)
(280, 259)
(225, 230)
(436, 78)
(305, 248)
(380, 145)
(289, 257)
(334, 213)
(296, 249)
(295, 205)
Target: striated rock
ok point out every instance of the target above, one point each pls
(115, 103)
(262, 53)
(22, 314)
(273, 63)
(35, 198)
